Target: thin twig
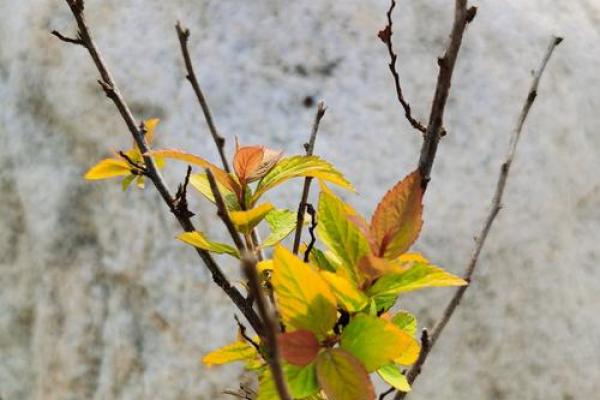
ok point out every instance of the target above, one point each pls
(243, 332)
(270, 324)
(495, 209)
(386, 37)
(139, 168)
(180, 203)
(383, 395)
(463, 15)
(67, 39)
(184, 34)
(222, 211)
(313, 225)
(309, 147)
(110, 88)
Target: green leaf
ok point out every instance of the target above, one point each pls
(322, 260)
(339, 234)
(302, 381)
(246, 220)
(343, 377)
(347, 294)
(392, 375)
(197, 239)
(419, 276)
(127, 181)
(300, 166)
(405, 321)
(282, 223)
(303, 298)
(377, 342)
(236, 351)
(201, 184)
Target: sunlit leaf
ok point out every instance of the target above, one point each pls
(282, 222)
(197, 239)
(220, 175)
(397, 220)
(343, 377)
(300, 166)
(264, 265)
(405, 321)
(302, 381)
(340, 235)
(393, 376)
(298, 347)
(303, 298)
(251, 163)
(372, 267)
(377, 342)
(236, 351)
(245, 221)
(108, 168)
(266, 386)
(150, 125)
(419, 276)
(201, 184)
(348, 295)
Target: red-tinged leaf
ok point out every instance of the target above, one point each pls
(246, 160)
(221, 176)
(343, 377)
(299, 347)
(397, 220)
(372, 267)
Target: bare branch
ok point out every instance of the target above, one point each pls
(270, 324)
(67, 39)
(495, 209)
(180, 204)
(109, 85)
(309, 147)
(184, 34)
(386, 37)
(463, 15)
(222, 211)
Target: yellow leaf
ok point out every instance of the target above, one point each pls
(303, 298)
(245, 221)
(220, 175)
(419, 276)
(236, 351)
(392, 375)
(264, 265)
(300, 166)
(347, 294)
(397, 220)
(197, 239)
(150, 125)
(201, 184)
(108, 168)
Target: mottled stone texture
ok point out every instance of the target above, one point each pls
(98, 301)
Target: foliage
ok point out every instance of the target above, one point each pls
(335, 311)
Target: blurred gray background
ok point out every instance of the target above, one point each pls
(97, 299)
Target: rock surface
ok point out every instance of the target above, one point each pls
(97, 301)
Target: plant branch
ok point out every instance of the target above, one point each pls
(386, 37)
(495, 209)
(313, 225)
(309, 147)
(184, 34)
(270, 324)
(222, 211)
(112, 91)
(463, 15)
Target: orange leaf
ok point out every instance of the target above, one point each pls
(372, 267)
(246, 160)
(299, 347)
(220, 175)
(397, 220)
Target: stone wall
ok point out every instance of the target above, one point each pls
(98, 301)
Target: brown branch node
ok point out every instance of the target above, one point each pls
(67, 39)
